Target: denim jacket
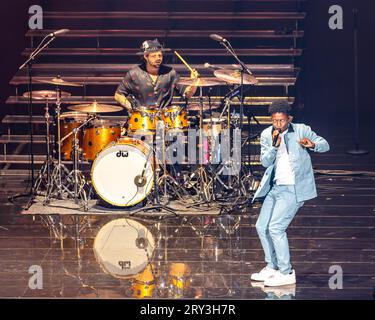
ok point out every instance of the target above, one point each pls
(299, 159)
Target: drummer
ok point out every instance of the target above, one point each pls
(151, 84)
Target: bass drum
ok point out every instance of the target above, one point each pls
(116, 172)
(123, 248)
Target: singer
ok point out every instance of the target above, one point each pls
(287, 183)
(151, 84)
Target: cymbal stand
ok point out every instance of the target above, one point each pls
(56, 187)
(203, 179)
(45, 171)
(79, 180)
(166, 179)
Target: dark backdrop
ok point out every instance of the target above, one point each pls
(328, 63)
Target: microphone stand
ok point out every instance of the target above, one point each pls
(244, 69)
(357, 151)
(29, 63)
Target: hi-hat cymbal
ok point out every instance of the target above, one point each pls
(206, 106)
(58, 81)
(46, 95)
(95, 108)
(200, 82)
(234, 76)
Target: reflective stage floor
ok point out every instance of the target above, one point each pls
(204, 256)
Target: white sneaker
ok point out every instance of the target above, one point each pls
(264, 274)
(280, 279)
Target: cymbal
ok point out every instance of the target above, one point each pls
(58, 81)
(201, 82)
(95, 108)
(46, 95)
(234, 76)
(206, 106)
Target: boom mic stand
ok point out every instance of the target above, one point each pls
(29, 63)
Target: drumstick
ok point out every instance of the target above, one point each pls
(184, 62)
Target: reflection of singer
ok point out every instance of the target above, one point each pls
(286, 184)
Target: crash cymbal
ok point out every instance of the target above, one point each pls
(234, 76)
(95, 108)
(200, 82)
(206, 106)
(58, 81)
(46, 95)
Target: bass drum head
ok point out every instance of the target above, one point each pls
(120, 248)
(115, 169)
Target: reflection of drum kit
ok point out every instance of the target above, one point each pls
(124, 249)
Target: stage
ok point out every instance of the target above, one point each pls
(242, 57)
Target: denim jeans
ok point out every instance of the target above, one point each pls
(278, 210)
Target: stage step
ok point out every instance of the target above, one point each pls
(265, 52)
(122, 33)
(37, 139)
(249, 101)
(174, 16)
(117, 68)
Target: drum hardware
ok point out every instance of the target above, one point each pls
(45, 171)
(56, 187)
(203, 180)
(29, 64)
(166, 180)
(156, 204)
(79, 180)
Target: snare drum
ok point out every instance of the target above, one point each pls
(98, 135)
(143, 121)
(116, 172)
(118, 251)
(175, 119)
(68, 122)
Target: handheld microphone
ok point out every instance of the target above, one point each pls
(275, 138)
(58, 32)
(218, 38)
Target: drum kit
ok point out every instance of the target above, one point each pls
(124, 165)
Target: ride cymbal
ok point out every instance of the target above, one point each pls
(201, 82)
(45, 94)
(234, 76)
(95, 108)
(58, 81)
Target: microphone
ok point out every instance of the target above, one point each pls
(141, 242)
(275, 138)
(58, 32)
(140, 180)
(218, 38)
